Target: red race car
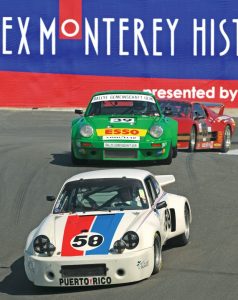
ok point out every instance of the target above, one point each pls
(199, 126)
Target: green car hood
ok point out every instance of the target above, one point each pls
(118, 121)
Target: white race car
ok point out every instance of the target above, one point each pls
(106, 227)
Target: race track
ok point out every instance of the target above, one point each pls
(35, 161)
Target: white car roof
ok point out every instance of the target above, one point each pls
(111, 173)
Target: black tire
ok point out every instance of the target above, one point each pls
(168, 160)
(184, 238)
(193, 139)
(74, 160)
(226, 144)
(157, 255)
(175, 152)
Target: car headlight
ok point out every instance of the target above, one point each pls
(119, 246)
(42, 245)
(156, 131)
(131, 239)
(86, 131)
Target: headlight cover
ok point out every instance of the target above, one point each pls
(119, 246)
(131, 239)
(86, 131)
(156, 131)
(42, 245)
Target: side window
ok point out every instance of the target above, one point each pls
(198, 110)
(155, 185)
(151, 190)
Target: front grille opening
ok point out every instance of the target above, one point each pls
(84, 270)
(120, 153)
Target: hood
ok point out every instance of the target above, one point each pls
(122, 121)
(91, 234)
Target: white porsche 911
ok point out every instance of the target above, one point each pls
(106, 227)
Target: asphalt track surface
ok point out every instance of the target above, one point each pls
(35, 161)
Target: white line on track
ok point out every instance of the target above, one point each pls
(231, 152)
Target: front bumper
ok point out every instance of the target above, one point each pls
(121, 268)
(96, 150)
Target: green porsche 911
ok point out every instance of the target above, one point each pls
(125, 126)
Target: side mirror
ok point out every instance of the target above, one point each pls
(50, 198)
(161, 204)
(168, 112)
(197, 116)
(79, 111)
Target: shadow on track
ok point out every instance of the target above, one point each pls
(64, 160)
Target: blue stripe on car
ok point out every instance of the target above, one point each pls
(105, 225)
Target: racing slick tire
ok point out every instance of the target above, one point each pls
(168, 160)
(183, 239)
(193, 139)
(226, 144)
(175, 152)
(74, 160)
(157, 255)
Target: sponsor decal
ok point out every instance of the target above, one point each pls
(206, 145)
(122, 145)
(141, 264)
(222, 118)
(199, 145)
(86, 241)
(89, 235)
(121, 97)
(122, 120)
(121, 132)
(217, 145)
(219, 136)
(84, 281)
(125, 138)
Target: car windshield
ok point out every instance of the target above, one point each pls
(175, 108)
(104, 194)
(124, 107)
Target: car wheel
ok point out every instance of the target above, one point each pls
(226, 144)
(184, 238)
(193, 138)
(157, 255)
(175, 151)
(168, 160)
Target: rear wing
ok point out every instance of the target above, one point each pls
(220, 107)
(165, 179)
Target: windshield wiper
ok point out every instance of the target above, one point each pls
(102, 209)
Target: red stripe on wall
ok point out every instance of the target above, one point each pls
(60, 90)
(70, 10)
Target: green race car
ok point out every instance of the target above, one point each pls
(125, 126)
